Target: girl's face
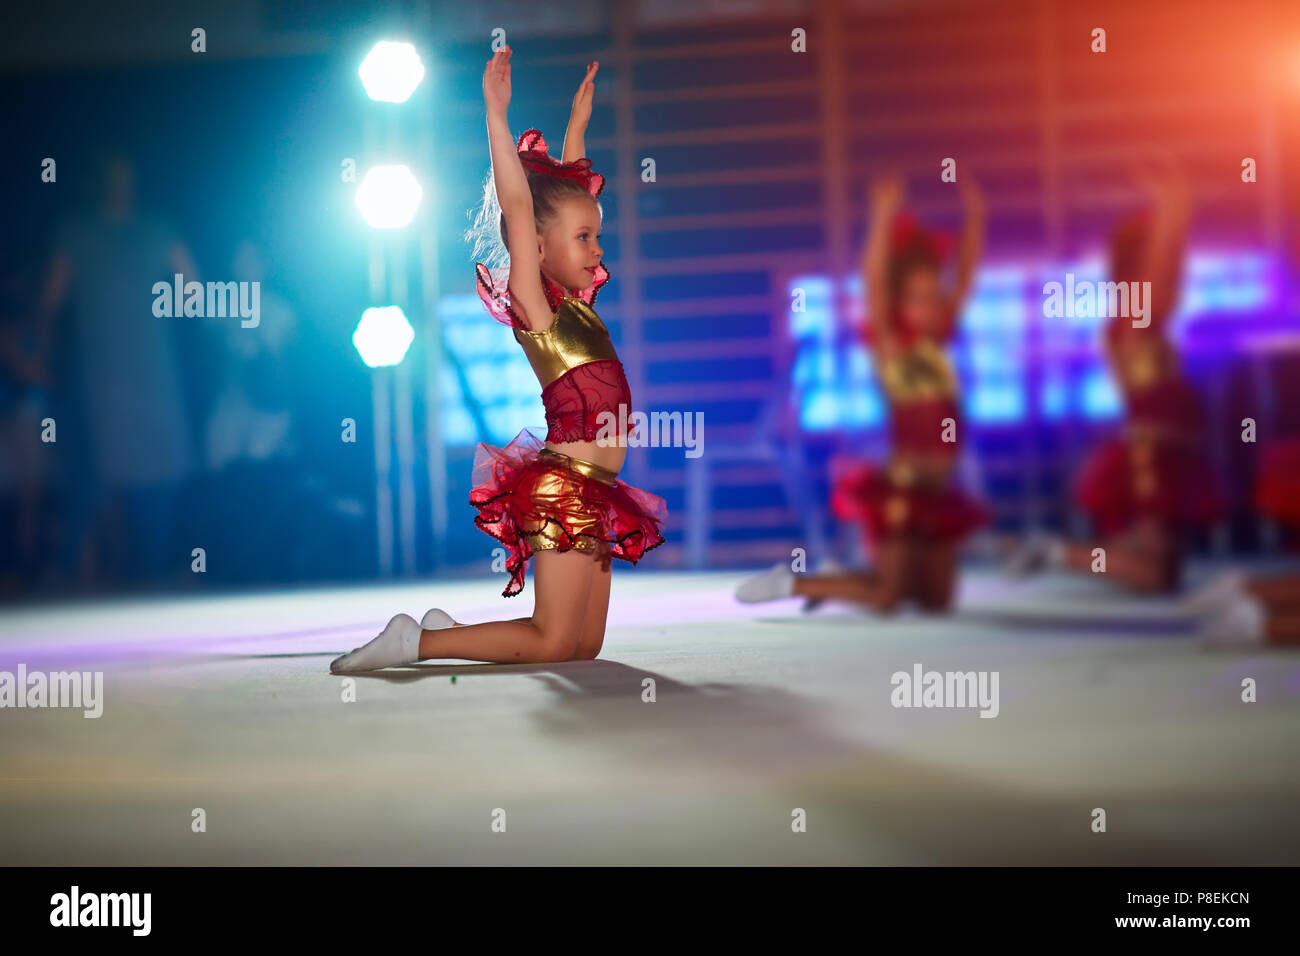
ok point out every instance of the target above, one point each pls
(570, 247)
(921, 300)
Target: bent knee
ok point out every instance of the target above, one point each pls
(889, 601)
(588, 648)
(559, 644)
(935, 603)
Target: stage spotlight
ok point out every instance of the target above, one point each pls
(391, 71)
(382, 336)
(388, 196)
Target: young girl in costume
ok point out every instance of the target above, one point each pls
(914, 514)
(1144, 488)
(559, 501)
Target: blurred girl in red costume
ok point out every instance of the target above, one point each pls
(1246, 611)
(913, 513)
(1144, 488)
(559, 501)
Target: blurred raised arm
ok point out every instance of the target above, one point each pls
(886, 200)
(1166, 245)
(53, 294)
(972, 244)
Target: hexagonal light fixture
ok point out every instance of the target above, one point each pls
(388, 196)
(383, 336)
(391, 71)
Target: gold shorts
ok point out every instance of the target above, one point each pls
(558, 495)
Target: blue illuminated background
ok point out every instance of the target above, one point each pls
(1015, 365)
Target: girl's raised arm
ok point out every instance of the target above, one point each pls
(1167, 240)
(514, 197)
(575, 135)
(511, 185)
(972, 245)
(886, 198)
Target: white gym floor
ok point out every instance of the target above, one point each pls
(226, 704)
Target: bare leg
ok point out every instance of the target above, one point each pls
(937, 583)
(29, 507)
(1147, 559)
(562, 581)
(1137, 570)
(880, 589)
(1284, 629)
(1280, 596)
(115, 535)
(593, 625)
(97, 546)
(1278, 588)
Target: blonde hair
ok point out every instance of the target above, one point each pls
(488, 232)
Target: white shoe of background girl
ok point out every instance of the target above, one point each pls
(773, 584)
(1241, 622)
(1038, 553)
(1215, 594)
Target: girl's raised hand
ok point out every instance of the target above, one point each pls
(1173, 186)
(1145, 177)
(496, 80)
(972, 196)
(887, 194)
(581, 114)
(1160, 176)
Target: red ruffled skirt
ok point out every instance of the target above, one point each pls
(1277, 488)
(531, 499)
(866, 493)
(1122, 480)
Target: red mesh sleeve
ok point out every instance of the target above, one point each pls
(494, 290)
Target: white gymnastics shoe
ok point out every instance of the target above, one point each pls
(829, 566)
(1241, 622)
(1215, 594)
(397, 643)
(773, 584)
(435, 619)
(1038, 553)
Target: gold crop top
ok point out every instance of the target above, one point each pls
(576, 337)
(920, 372)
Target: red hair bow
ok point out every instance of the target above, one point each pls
(908, 233)
(533, 156)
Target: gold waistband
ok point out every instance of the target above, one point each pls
(907, 471)
(1150, 433)
(583, 467)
